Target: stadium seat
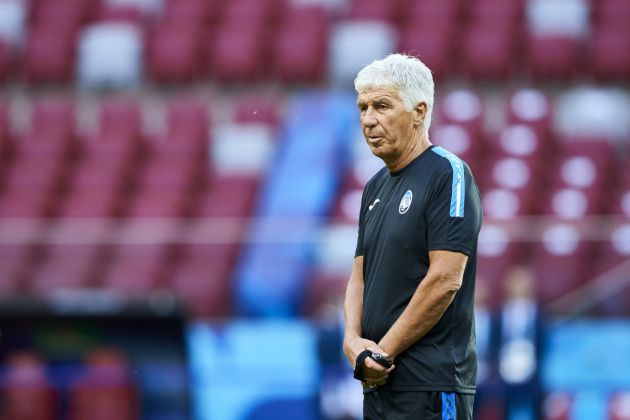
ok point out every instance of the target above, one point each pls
(228, 196)
(237, 51)
(430, 42)
(190, 12)
(533, 108)
(49, 54)
(110, 56)
(5, 61)
(376, 10)
(64, 13)
(65, 266)
(299, 51)
(136, 269)
(553, 58)
(120, 116)
(13, 21)
(34, 171)
(175, 52)
(203, 279)
(91, 202)
(27, 390)
(561, 261)
(32, 202)
(463, 107)
(105, 388)
(608, 55)
(487, 51)
(257, 109)
(611, 13)
(456, 139)
(14, 263)
(188, 117)
(158, 201)
(346, 56)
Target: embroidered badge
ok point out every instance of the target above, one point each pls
(405, 203)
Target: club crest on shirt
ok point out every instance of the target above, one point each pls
(405, 203)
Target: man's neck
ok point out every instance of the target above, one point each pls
(419, 145)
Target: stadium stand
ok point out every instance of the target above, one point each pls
(208, 151)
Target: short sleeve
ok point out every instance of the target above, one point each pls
(454, 212)
(359, 249)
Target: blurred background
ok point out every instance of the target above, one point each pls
(180, 182)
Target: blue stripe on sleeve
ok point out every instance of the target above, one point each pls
(449, 411)
(458, 189)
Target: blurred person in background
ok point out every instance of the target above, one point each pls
(410, 293)
(520, 333)
(488, 395)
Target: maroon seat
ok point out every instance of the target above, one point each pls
(52, 130)
(31, 202)
(228, 197)
(299, 51)
(158, 202)
(562, 262)
(105, 388)
(14, 263)
(610, 53)
(612, 13)
(202, 280)
(431, 44)
(497, 11)
(553, 57)
(6, 146)
(66, 13)
(498, 253)
(238, 51)
(487, 51)
(516, 175)
(65, 266)
(190, 12)
(522, 141)
(34, 171)
(5, 61)
(27, 391)
(175, 53)
(431, 10)
(91, 201)
(120, 13)
(251, 11)
(383, 10)
(49, 54)
(188, 117)
(100, 172)
(120, 116)
(251, 108)
(136, 269)
(532, 108)
(170, 172)
(464, 108)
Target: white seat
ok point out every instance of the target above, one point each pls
(110, 56)
(12, 19)
(355, 44)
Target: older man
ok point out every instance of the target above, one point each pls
(410, 295)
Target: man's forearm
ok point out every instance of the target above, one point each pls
(428, 304)
(353, 303)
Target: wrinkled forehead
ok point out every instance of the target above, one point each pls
(372, 93)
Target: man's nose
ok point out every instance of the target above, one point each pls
(369, 120)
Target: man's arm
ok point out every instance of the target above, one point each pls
(429, 302)
(353, 343)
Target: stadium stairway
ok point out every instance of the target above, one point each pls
(274, 267)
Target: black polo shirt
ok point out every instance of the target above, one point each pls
(431, 204)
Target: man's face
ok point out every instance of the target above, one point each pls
(387, 125)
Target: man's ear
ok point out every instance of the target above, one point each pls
(419, 113)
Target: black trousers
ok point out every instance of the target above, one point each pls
(416, 405)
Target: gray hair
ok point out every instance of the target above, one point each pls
(408, 74)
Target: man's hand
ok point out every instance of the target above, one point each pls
(373, 373)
